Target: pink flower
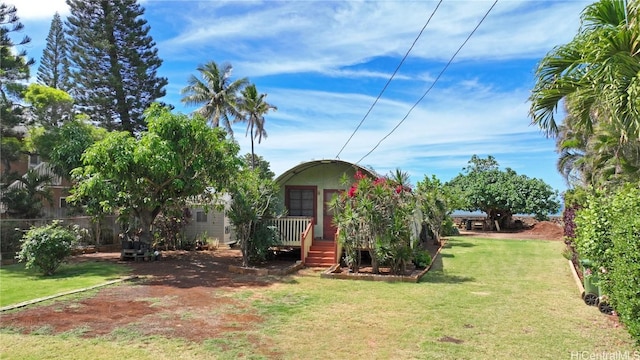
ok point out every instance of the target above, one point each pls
(352, 191)
(399, 189)
(359, 175)
(380, 181)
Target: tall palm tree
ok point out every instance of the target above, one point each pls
(600, 68)
(253, 107)
(216, 92)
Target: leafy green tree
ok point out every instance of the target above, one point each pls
(254, 200)
(253, 108)
(114, 62)
(47, 247)
(436, 202)
(26, 200)
(217, 94)
(501, 194)
(62, 147)
(260, 165)
(54, 64)
(14, 71)
(177, 158)
(11, 150)
(50, 107)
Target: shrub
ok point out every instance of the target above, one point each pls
(593, 226)
(46, 247)
(254, 201)
(608, 234)
(623, 285)
(421, 258)
(377, 215)
(263, 239)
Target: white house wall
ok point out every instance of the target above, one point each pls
(216, 226)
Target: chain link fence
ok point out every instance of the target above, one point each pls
(98, 234)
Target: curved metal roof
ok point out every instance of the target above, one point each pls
(282, 178)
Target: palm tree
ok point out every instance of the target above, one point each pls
(253, 107)
(216, 92)
(599, 68)
(599, 159)
(25, 200)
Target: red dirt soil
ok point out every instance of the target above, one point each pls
(543, 230)
(178, 296)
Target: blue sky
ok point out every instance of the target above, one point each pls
(323, 63)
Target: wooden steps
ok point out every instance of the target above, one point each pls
(321, 254)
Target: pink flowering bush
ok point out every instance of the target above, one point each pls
(376, 215)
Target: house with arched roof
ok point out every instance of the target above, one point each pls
(305, 190)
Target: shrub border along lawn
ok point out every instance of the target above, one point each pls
(335, 272)
(35, 301)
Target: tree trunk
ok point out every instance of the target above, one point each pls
(375, 264)
(146, 218)
(243, 237)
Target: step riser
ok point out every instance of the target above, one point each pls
(321, 255)
(314, 264)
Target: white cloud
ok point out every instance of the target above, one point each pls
(287, 37)
(39, 9)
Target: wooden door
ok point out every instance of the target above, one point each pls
(328, 229)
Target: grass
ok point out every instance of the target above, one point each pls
(18, 284)
(484, 299)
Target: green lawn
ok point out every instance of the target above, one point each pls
(484, 299)
(18, 284)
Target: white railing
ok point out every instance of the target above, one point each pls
(291, 229)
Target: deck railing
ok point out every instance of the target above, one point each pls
(338, 247)
(291, 229)
(306, 241)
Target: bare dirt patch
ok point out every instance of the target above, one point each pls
(183, 295)
(543, 230)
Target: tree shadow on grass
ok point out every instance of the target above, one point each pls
(66, 270)
(436, 273)
(453, 243)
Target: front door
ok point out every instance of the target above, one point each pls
(328, 229)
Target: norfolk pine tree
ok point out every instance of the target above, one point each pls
(54, 64)
(14, 70)
(114, 62)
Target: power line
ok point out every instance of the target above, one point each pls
(432, 84)
(389, 81)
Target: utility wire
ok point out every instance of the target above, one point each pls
(432, 84)
(389, 81)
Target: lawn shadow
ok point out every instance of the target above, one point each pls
(436, 273)
(452, 243)
(70, 270)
